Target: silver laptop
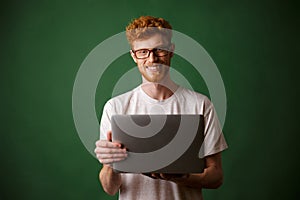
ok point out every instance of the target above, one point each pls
(159, 143)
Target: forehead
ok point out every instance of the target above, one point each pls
(154, 41)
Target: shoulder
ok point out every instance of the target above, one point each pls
(192, 95)
(125, 96)
(122, 99)
(194, 100)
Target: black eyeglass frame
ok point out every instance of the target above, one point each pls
(154, 50)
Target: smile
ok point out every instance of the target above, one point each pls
(153, 68)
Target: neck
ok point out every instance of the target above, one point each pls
(161, 90)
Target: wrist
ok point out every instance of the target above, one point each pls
(108, 171)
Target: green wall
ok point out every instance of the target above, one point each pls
(43, 44)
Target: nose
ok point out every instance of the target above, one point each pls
(152, 58)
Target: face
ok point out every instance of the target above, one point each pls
(153, 68)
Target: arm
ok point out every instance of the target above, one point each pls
(107, 153)
(110, 180)
(212, 177)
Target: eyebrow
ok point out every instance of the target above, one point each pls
(158, 47)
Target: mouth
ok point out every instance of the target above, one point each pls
(153, 68)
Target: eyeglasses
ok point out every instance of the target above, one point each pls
(145, 53)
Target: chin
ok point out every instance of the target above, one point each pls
(154, 79)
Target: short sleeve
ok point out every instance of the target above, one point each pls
(214, 141)
(105, 123)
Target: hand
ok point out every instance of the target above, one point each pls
(168, 177)
(109, 152)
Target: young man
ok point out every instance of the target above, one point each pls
(152, 50)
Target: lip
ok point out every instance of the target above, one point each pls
(153, 68)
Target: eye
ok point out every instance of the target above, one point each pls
(161, 51)
(158, 50)
(142, 51)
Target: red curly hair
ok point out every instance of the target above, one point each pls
(145, 26)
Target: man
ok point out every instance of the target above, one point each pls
(152, 50)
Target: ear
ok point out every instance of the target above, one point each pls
(133, 56)
(172, 49)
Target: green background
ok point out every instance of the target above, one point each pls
(43, 43)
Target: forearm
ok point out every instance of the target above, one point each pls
(208, 179)
(212, 176)
(110, 180)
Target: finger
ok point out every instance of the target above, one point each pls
(104, 155)
(101, 143)
(155, 175)
(101, 150)
(107, 158)
(109, 136)
(111, 156)
(108, 144)
(164, 176)
(110, 160)
(147, 174)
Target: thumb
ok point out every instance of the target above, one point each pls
(109, 136)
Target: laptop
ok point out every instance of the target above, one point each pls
(159, 143)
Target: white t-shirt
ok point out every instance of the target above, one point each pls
(183, 101)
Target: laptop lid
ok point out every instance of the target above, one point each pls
(159, 143)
